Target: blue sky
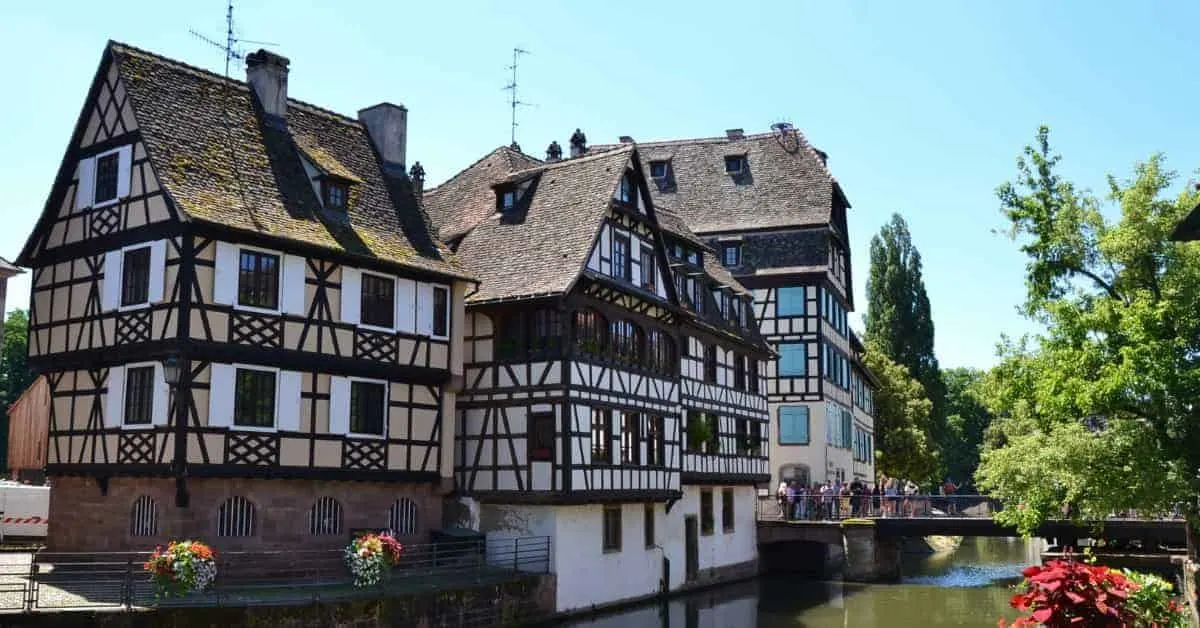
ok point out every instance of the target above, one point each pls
(922, 106)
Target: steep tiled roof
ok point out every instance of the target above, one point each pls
(672, 223)
(787, 184)
(542, 248)
(222, 164)
(466, 198)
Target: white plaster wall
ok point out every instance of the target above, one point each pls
(589, 576)
(720, 548)
(504, 523)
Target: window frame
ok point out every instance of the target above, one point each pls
(531, 443)
(631, 438)
(656, 440)
(665, 164)
(627, 189)
(125, 251)
(740, 160)
(362, 306)
(610, 538)
(711, 363)
(626, 269)
(233, 425)
(387, 398)
(648, 532)
(327, 188)
(506, 195)
(96, 177)
(779, 313)
(731, 247)
(605, 430)
(727, 511)
(707, 522)
(237, 267)
(649, 268)
(435, 289)
(125, 395)
(804, 361)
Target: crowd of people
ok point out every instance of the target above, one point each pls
(888, 497)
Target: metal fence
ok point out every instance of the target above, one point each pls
(836, 508)
(47, 581)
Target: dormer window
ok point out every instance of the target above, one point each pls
(735, 164)
(335, 194)
(731, 254)
(658, 169)
(508, 200)
(626, 192)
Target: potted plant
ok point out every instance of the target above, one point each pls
(371, 558)
(183, 567)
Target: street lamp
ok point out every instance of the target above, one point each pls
(170, 366)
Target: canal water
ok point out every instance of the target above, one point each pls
(969, 586)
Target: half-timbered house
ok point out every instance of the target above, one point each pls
(601, 407)
(249, 333)
(776, 217)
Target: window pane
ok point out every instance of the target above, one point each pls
(254, 398)
(258, 280)
(135, 276)
(791, 301)
(139, 395)
(541, 437)
(620, 257)
(441, 311)
(378, 301)
(631, 440)
(367, 407)
(106, 178)
(793, 359)
(601, 436)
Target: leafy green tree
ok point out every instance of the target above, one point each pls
(902, 418)
(967, 420)
(899, 321)
(1099, 414)
(14, 377)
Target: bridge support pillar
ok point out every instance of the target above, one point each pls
(869, 558)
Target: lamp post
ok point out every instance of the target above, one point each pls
(171, 370)
(170, 366)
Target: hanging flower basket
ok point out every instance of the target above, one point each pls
(371, 558)
(183, 567)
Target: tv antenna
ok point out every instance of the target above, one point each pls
(231, 46)
(511, 88)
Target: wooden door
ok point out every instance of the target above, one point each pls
(691, 547)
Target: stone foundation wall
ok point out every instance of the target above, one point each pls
(723, 574)
(83, 518)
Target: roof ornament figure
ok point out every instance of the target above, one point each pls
(515, 146)
(553, 151)
(578, 143)
(417, 174)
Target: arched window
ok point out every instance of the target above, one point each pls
(626, 341)
(545, 334)
(143, 521)
(236, 517)
(590, 332)
(402, 517)
(325, 517)
(798, 473)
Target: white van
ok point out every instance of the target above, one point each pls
(24, 510)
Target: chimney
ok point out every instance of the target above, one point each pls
(734, 134)
(578, 143)
(387, 125)
(625, 139)
(553, 151)
(267, 73)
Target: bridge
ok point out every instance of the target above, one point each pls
(870, 530)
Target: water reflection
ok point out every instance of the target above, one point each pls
(966, 587)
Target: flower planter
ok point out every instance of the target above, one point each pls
(182, 568)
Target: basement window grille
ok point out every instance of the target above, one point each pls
(402, 517)
(144, 518)
(325, 517)
(236, 517)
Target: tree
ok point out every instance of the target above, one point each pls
(1099, 414)
(902, 417)
(899, 321)
(14, 377)
(967, 421)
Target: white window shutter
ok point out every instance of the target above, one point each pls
(220, 395)
(161, 407)
(293, 284)
(339, 405)
(289, 401)
(424, 309)
(124, 167)
(351, 294)
(225, 276)
(635, 254)
(116, 397)
(87, 183)
(406, 305)
(110, 296)
(158, 270)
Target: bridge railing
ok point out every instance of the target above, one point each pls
(836, 508)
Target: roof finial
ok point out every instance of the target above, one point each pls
(553, 151)
(417, 175)
(578, 143)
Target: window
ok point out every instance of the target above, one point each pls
(793, 425)
(631, 438)
(254, 398)
(658, 169)
(135, 276)
(656, 441)
(508, 200)
(621, 264)
(258, 280)
(649, 270)
(402, 517)
(627, 191)
(648, 525)
(378, 301)
(739, 372)
(847, 428)
(235, 517)
(325, 517)
(731, 254)
(368, 407)
(706, 511)
(710, 364)
(752, 374)
(735, 164)
(741, 431)
(793, 359)
(541, 437)
(612, 528)
(590, 332)
(660, 351)
(335, 194)
(626, 342)
(139, 395)
(441, 311)
(727, 510)
(107, 168)
(713, 426)
(546, 338)
(601, 436)
(696, 432)
(791, 302)
(143, 520)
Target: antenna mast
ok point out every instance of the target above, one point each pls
(511, 88)
(232, 51)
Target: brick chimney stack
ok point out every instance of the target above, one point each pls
(267, 74)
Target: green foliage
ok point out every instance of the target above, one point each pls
(1153, 602)
(902, 421)
(1099, 411)
(14, 377)
(967, 420)
(899, 322)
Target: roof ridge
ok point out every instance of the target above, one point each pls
(220, 78)
(462, 171)
(725, 139)
(586, 158)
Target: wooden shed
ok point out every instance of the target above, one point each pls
(28, 427)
